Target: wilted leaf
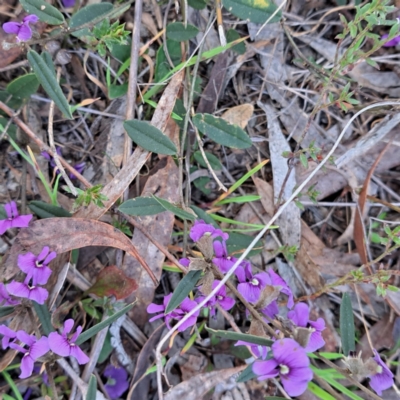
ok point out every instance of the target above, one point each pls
(239, 115)
(111, 281)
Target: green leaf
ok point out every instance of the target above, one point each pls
(46, 12)
(214, 162)
(197, 4)
(47, 79)
(149, 137)
(162, 64)
(44, 210)
(232, 35)
(83, 337)
(230, 335)
(179, 212)
(6, 310)
(320, 393)
(49, 62)
(238, 243)
(44, 317)
(91, 393)
(246, 374)
(88, 14)
(23, 86)
(115, 91)
(239, 199)
(178, 32)
(304, 160)
(106, 350)
(347, 331)
(204, 216)
(222, 132)
(140, 206)
(257, 11)
(185, 286)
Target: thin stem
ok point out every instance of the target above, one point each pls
(51, 381)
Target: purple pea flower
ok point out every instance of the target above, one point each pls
(21, 29)
(290, 362)
(250, 285)
(78, 167)
(200, 228)
(28, 291)
(222, 260)
(5, 299)
(392, 42)
(383, 379)
(14, 220)
(8, 334)
(185, 262)
(36, 348)
(36, 267)
(64, 345)
(220, 298)
(68, 3)
(177, 314)
(117, 382)
(300, 316)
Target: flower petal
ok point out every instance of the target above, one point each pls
(59, 344)
(189, 322)
(50, 257)
(40, 348)
(8, 207)
(18, 289)
(300, 314)
(227, 303)
(5, 224)
(315, 342)
(26, 366)
(26, 338)
(250, 292)
(265, 369)
(79, 354)
(32, 18)
(39, 294)
(68, 325)
(290, 353)
(26, 262)
(294, 388)
(25, 33)
(22, 221)
(41, 275)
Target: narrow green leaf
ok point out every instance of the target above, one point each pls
(204, 216)
(241, 336)
(44, 317)
(23, 86)
(140, 206)
(197, 4)
(320, 393)
(13, 387)
(163, 67)
(221, 132)
(103, 324)
(91, 393)
(115, 91)
(239, 199)
(45, 210)
(47, 79)
(179, 212)
(238, 243)
(49, 62)
(347, 331)
(214, 162)
(257, 11)
(185, 286)
(149, 137)
(46, 12)
(232, 35)
(179, 32)
(87, 14)
(6, 310)
(247, 374)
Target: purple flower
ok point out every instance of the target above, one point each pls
(185, 262)
(68, 3)
(258, 350)
(392, 42)
(289, 361)
(21, 29)
(36, 348)
(276, 280)
(117, 382)
(25, 290)
(200, 228)
(250, 285)
(5, 299)
(177, 314)
(383, 379)
(36, 267)
(78, 167)
(300, 316)
(8, 334)
(220, 298)
(222, 260)
(14, 220)
(64, 344)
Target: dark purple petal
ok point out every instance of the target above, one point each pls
(392, 42)
(318, 325)
(68, 3)
(250, 292)
(118, 384)
(278, 281)
(185, 262)
(59, 344)
(32, 18)
(189, 322)
(156, 317)
(224, 264)
(315, 342)
(263, 279)
(293, 387)
(200, 228)
(227, 303)
(25, 33)
(76, 352)
(288, 352)
(5, 299)
(8, 334)
(188, 305)
(12, 27)
(265, 369)
(220, 249)
(240, 274)
(300, 315)
(26, 366)
(40, 348)
(271, 310)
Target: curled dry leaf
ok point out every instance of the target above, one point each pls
(239, 115)
(66, 234)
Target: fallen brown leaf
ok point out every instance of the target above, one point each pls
(239, 115)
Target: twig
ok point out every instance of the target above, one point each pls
(133, 81)
(49, 373)
(42, 146)
(73, 375)
(253, 243)
(53, 146)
